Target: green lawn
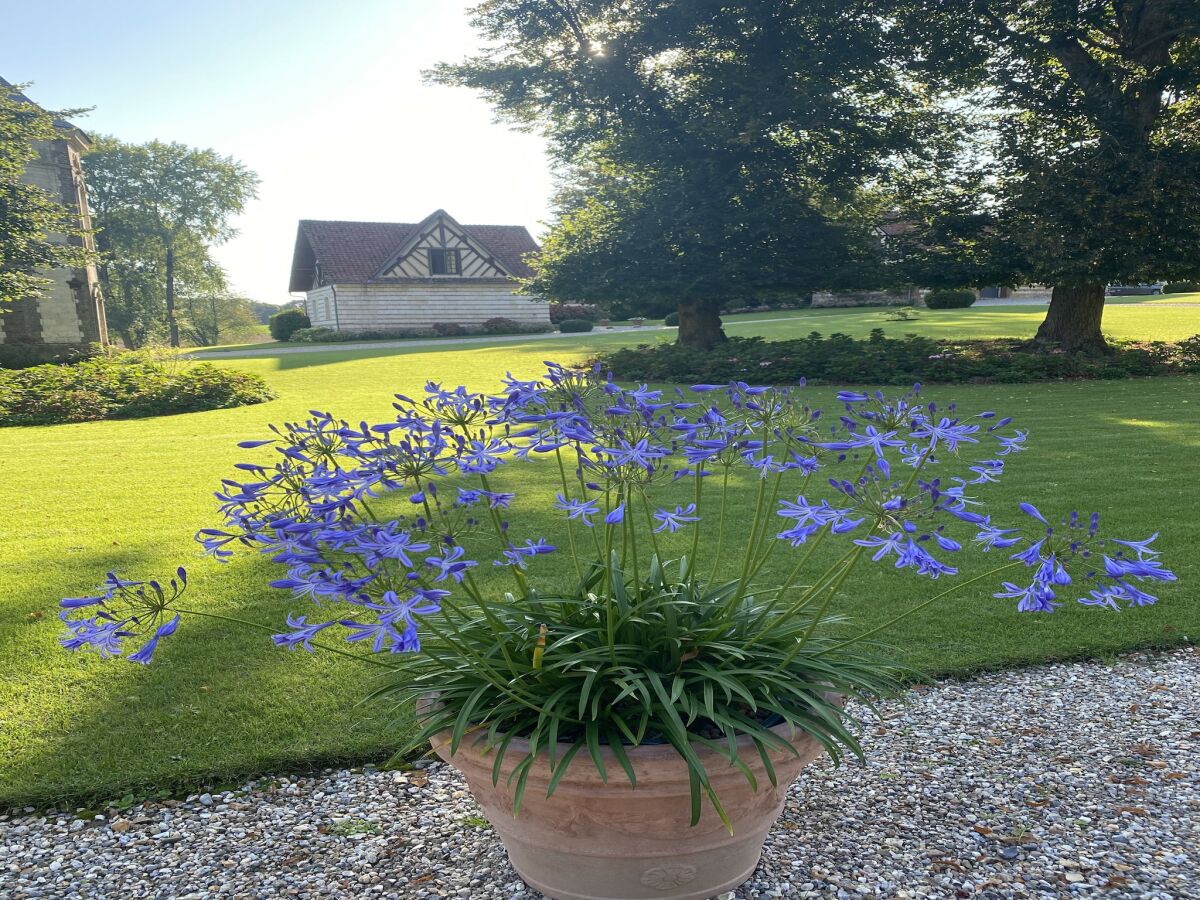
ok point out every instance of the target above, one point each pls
(1132, 321)
(1127, 318)
(220, 703)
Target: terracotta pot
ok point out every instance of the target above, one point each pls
(597, 841)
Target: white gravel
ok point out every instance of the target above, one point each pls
(1058, 781)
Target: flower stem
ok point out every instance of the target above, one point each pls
(370, 660)
(904, 615)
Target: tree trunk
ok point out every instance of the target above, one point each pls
(700, 326)
(1073, 320)
(172, 324)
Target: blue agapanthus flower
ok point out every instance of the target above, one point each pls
(673, 521)
(390, 527)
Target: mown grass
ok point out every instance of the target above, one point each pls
(221, 703)
(1125, 318)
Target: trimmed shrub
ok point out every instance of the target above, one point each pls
(950, 298)
(840, 359)
(448, 329)
(561, 312)
(287, 322)
(1181, 287)
(122, 386)
(316, 335)
(501, 325)
(671, 320)
(573, 326)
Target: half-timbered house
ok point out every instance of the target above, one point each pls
(386, 276)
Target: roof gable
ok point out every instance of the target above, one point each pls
(357, 252)
(440, 232)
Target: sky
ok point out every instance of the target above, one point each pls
(323, 99)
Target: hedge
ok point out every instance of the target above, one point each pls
(573, 326)
(840, 359)
(950, 298)
(122, 386)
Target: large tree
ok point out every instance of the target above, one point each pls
(164, 199)
(693, 239)
(1094, 173)
(731, 141)
(33, 223)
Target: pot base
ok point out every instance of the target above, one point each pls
(566, 876)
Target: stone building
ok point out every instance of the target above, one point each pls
(392, 276)
(70, 313)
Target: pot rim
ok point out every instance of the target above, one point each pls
(646, 752)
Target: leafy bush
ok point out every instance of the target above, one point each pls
(573, 326)
(841, 359)
(448, 329)
(501, 325)
(561, 312)
(950, 298)
(286, 322)
(122, 386)
(671, 320)
(1181, 287)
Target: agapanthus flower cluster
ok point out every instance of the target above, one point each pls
(394, 523)
(121, 610)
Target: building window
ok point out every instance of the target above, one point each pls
(444, 262)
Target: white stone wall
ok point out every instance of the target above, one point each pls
(390, 307)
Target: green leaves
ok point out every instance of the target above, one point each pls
(663, 661)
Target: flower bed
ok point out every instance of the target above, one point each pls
(122, 386)
(840, 359)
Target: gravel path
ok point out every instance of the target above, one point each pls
(1059, 781)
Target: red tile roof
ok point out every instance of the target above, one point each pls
(354, 252)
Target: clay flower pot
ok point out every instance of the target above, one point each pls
(592, 840)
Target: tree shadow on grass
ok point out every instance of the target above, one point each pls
(219, 703)
(549, 349)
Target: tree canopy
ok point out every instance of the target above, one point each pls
(159, 207)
